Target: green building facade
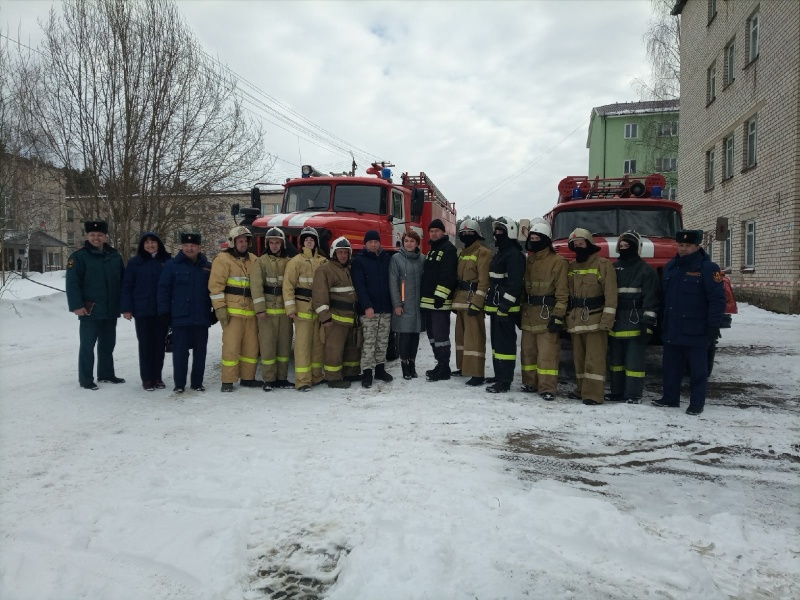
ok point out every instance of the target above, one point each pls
(635, 138)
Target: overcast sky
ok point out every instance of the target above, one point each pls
(490, 99)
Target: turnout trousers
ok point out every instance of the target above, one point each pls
(183, 338)
(151, 332)
(470, 344)
(675, 359)
(437, 324)
(504, 346)
(341, 356)
(407, 345)
(307, 352)
(239, 349)
(540, 354)
(627, 366)
(589, 354)
(102, 332)
(376, 339)
(275, 344)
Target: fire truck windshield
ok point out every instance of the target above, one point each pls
(308, 197)
(650, 222)
(360, 198)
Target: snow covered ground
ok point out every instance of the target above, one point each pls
(410, 490)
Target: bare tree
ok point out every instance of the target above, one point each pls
(124, 98)
(662, 41)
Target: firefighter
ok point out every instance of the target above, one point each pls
(473, 283)
(439, 278)
(334, 301)
(231, 298)
(297, 281)
(593, 306)
(274, 327)
(543, 310)
(506, 276)
(693, 308)
(637, 310)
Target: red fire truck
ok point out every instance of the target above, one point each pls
(349, 205)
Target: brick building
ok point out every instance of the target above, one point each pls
(739, 155)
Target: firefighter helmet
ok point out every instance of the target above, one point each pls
(583, 234)
(273, 233)
(469, 226)
(541, 227)
(633, 238)
(237, 231)
(508, 224)
(308, 232)
(341, 243)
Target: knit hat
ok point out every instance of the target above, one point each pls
(372, 236)
(190, 238)
(690, 236)
(436, 224)
(90, 226)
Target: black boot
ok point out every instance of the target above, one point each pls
(475, 381)
(406, 369)
(381, 374)
(440, 373)
(412, 368)
(499, 387)
(366, 378)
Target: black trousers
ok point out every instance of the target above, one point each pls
(504, 346)
(627, 357)
(102, 332)
(151, 333)
(183, 338)
(437, 323)
(408, 343)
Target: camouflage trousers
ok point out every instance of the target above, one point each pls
(376, 338)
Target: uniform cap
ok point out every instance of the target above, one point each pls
(191, 238)
(91, 226)
(372, 236)
(436, 224)
(690, 236)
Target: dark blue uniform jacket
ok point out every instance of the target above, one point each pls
(371, 280)
(693, 299)
(183, 291)
(140, 284)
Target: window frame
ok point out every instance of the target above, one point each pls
(631, 131)
(729, 146)
(667, 128)
(726, 252)
(710, 174)
(753, 35)
(711, 83)
(750, 150)
(712, 10)
(629, 167)
(749, 254)
(666, 164)
(730, 63)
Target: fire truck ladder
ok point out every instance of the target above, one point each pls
(423, 182)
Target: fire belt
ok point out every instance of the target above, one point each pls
(275, 291)
(469, 286)
(238, 291)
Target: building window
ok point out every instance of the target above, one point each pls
(666, 165)
(70, 215)
(710, 169)
(711, 83)
(669, 193)
(71, 238)
(751, 140)
(725, 256)
(730, 63)
(176, 237)
(728, 166)
(712, 10)
(749, 244)
(753, 36)
(631, 131)
(667, 128)
(630, 167)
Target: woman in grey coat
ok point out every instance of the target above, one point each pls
(405, 273)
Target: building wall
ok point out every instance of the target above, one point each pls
(764, 89)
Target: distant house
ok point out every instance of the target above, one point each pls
(636, 139)
(739, 155)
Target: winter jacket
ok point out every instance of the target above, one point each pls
(637, 297)
(473, 277)
(405, 276)
(439, 275)
(693, 299)
(95, 276)
(506, 279)
(140, 283)
(371, 280)
(333, 295)
(297, 281)
(229, 284)
(593, 295)
(266, 284)
(546, 292)
(183, 291)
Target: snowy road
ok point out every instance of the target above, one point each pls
(411, 490)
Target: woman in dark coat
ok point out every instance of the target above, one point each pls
(405, 274)
(139, 301)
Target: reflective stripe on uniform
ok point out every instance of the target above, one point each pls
(333, 368)
(625, 334)
(595, 377)
(352, 364)
(629, 290)
(217, 296)
(282, 359)
(474, 353)
(509, 297)
(247, 359)
(499, 356)
(585, 272)
(494, 275)
(610, 310)
(553, 372)
(528, 367)
(343, 289)
(649, 313)
(617, 368)
(229, 363)
(276, 311)
(264, 361)
(634, 373)
(322, 308)
(307, 316)
(242, 282)
(469, 257)
(348, 320)
(241, 311)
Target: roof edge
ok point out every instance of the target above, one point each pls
(678, 8)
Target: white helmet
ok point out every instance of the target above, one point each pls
(541, 227)
(633, 238)
(308, 231)
(341, 243)
(583, 234)
(510, 226)
(237, 231)
(470, 226)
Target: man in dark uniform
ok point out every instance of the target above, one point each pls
(94, 284)
(693, 304)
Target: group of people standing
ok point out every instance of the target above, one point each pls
(341, 309)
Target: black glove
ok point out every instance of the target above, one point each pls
(555, 325)
(438, 302)
(713, 334)
(647, 328)
(473, 311)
